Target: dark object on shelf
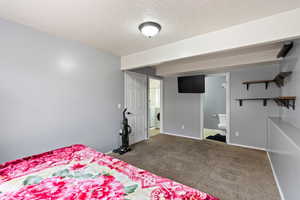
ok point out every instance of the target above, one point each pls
(285, 50)
(126, 130)
(217, 137)
(278, 80)
(287, 101)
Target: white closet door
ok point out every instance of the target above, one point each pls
(136, 103)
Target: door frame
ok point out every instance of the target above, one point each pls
(202, 97)
(161, 104)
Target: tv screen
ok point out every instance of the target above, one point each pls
(191, 84)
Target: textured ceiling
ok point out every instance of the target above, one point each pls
(111, 25)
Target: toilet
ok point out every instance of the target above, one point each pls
(222, 122)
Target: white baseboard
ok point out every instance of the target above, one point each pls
(249, 147)
(185, 136)
(276, 179)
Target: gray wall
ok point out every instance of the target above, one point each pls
(292, 83)
(54, 93)
(180, 109)
(250, 120)
(214, 100)
(284, 134)
(284, 151)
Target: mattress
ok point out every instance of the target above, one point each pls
(80, 172)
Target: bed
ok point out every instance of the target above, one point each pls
(79, 172)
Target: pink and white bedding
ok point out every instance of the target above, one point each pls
(81, 173)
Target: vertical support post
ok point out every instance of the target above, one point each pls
(293, 104)
(265, 102)
(267, 85)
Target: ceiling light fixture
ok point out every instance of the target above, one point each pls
(150, 29)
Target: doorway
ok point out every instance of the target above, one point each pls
(215, 111)
(154, 106)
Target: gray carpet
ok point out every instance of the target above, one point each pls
(227, 172)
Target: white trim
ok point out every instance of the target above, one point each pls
(275, 177)
(148, 108)
(228, 101)
(146, 97)
(202, 99)
(246, 146)
(125, 89)
(161, 103)
(184, 136)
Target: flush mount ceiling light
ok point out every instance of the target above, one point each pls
(149, 29)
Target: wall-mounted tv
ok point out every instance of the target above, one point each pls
(191, 84)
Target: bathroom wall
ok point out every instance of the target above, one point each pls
(214, 100)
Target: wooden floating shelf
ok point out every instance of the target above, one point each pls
(286, 101)
(254, 99)
(278, 80)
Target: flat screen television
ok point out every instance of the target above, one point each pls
(191, 84)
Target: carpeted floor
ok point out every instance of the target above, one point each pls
(227, 172)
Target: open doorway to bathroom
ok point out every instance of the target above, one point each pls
(215, 108)
(154, 108)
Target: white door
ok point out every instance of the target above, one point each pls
(136, 104)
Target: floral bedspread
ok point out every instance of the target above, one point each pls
(81, 173)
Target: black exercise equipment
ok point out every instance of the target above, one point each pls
(126, 130)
